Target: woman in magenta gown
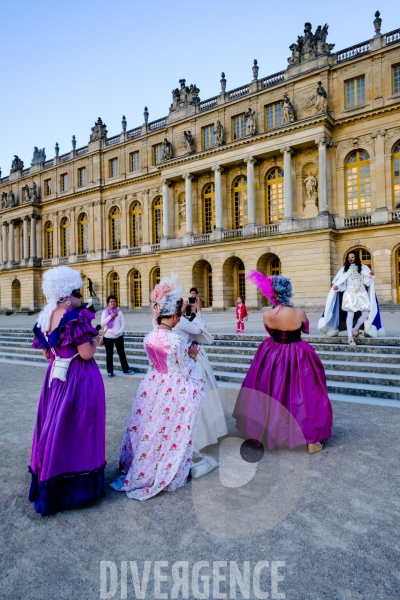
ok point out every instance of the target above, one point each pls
(284, 399)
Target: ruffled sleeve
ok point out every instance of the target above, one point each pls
(39, 341)
(367, 277)
(78, 329)
(306, 327)
(186, 364)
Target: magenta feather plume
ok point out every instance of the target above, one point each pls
(263, 283)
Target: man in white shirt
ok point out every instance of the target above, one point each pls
(113, 322)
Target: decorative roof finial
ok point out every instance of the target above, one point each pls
(377, 23)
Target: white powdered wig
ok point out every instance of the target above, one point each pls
(56, 285)
(166, 294)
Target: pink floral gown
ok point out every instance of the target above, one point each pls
(156, 451)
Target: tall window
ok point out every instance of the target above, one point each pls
(238, 127)
(241, 281)
(157, 220)
(136, 225)
(396, 177)
(209, 208)
(364, 255)
(275, 201)
(114, 286)
(136, 289)
(157, 154)
(64, 182)
(240, 191)
(65, 237)
(210, 285)
(83, 234)
(47, 187)
(398, 274)
(155, 278)
(276, 266)
(355, 92)
(115, 218)
(207, 137)
(113, 168)
(48, 240)
(81, 176)
(358, 183)
(396, 79)
(273, 117)
(134, 161)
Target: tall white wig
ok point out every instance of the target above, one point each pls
(56, 285)
(165, 296)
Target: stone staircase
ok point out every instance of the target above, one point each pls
(368, 373)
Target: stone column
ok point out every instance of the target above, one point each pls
(91, 228)
(33, 237)
(4, 227)
(165, 208)
(251, 195)
(26, 239)
(287, 182)
(189, 204)
(11, 254)
(322, 143)
(218, 197)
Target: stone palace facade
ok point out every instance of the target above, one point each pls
(284, 174)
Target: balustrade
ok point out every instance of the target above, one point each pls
(81, 257)
(63, 260)
(82, 151)
(48, 164)
(210, 103)
(64, 157)
(232, 233)
(357, 221)
(112, 253)
(238, 92)
(263, 230)
(155, 248)
(133, 133)
(272, 79)
(353, 51)
(112, 141)
(392, 37)
(134, 251)
(201, 238)
(47, 262)
(158, 124)
(394, 215)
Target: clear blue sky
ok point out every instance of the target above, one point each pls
(63, 64)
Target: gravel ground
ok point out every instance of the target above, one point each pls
(327, 524)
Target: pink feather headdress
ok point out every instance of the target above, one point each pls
(263, 283)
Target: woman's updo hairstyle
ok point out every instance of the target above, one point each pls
(178, 309)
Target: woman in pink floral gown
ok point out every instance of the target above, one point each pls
(156, 452)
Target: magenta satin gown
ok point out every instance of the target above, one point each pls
(284, 399)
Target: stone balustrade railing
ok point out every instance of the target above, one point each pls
(134, 251)
(357, 221)
(25, 172)
(272, 79)
(238, 92)
(392, 37)
(82, 151)
(262, 230)
(47, 262)
(206, 104)
(112, 141)
(232, 233)
(155, 248)
(63, 260)
(158, 124)
(394, 215)
(353, 51)
(201, 238)
(112, 253)
(48, 164)
(133, 133)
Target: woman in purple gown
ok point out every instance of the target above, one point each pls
(68, 451)
(284, 398)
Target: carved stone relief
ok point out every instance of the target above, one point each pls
(390, 139)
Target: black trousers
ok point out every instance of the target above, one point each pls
(119, 344)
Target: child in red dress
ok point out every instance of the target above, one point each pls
(241, 314)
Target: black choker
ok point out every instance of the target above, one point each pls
(166, 325)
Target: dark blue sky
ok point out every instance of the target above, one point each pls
(63, 64)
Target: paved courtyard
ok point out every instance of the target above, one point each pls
(327, 524)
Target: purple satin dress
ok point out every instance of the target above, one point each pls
(284, 399)
(68, 450)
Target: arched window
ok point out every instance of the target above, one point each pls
(396, 177)
(210, 285)
(65, 237)
(83, 234)
(275, 201)
(155, 278)
(136, 289)
(136, 225)
(48, 240)
(157, 220)
(240, 190)
(209, 208)
(358, 183)
(398, 274)
(115, 218)
(276, 266)
(114, 286)
(241, 281)
(364, 255)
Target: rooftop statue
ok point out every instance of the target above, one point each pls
(310, 45)
(16, 165)
(185, 96)
(39, 156)
(99, 131)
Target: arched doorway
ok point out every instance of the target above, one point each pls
(268, 264)
(363, 253)
(136, 289)
(234, 280)
(16, 295)
(155, 277)
(113, 286)
(202, 280)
